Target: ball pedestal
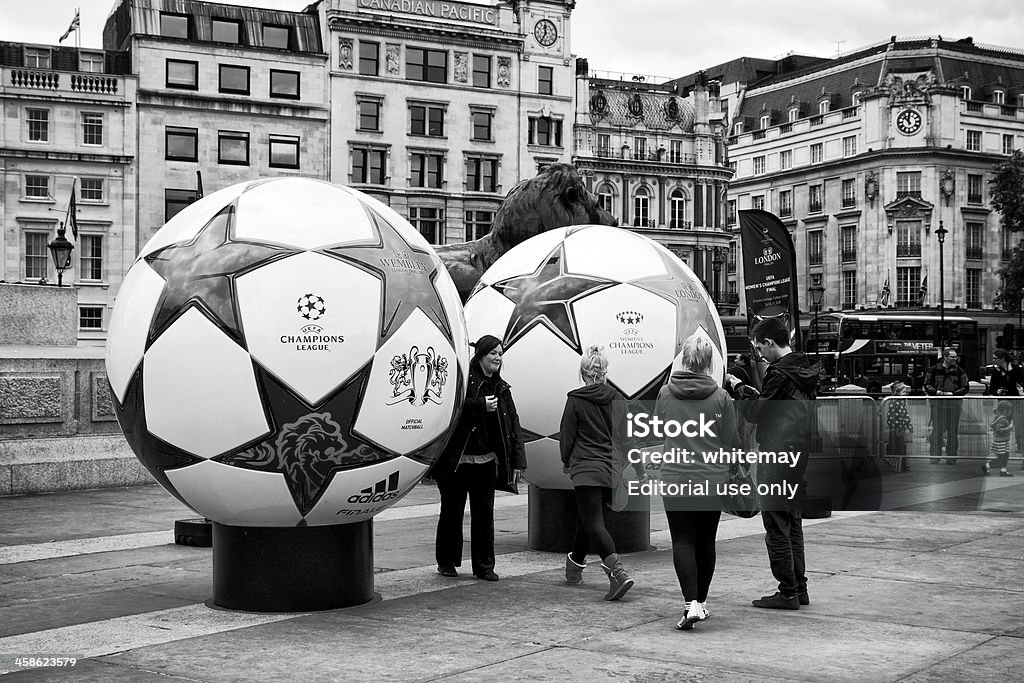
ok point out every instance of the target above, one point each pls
(552, 522)
(292, 569)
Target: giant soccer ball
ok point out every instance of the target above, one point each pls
(287, 352)
(557, 293)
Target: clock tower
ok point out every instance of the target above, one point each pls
(545, 26)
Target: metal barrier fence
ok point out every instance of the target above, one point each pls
(946, 428)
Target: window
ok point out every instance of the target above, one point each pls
(422, 64)
(848, 243)
(226, 31)
(368, 165)
(545, 80)
(849, 289)
(737, 128)
(758, 165)
(275, 36)
(974, 141)
(640, 148)
(642, 208)
(766, 121)
(90, 318)
(91, 62)
(675, 154)
(1008, 243)
(176, 200)
(545, 131)
(233, 148)
(92, 128)
(855, 98)
(814, 204)
(369, 114)
(817, 153)
(481, 174)
(37, 58)
(730, 212)
(757, 202)
(429, 221)
(815, 242)
(182, 74)
(234, 79)
(908, 285)
(284, 84)
(369, 58)
(37, 187)
(786, 159)
(793, 115)
(849, 190)
(677, 209)
(478, 224)
(481, 72)
(823, 106)
(426, 120)
(605, 197)
(974, 185)
(426, 169)
(1008, 144)
(37, 260)
(174, 26)
(181, 143)
(785, 202)
(91, 257)
(731, 261)
(850, 146)
(38, 124)
(972, 285)
(965, 92)
(482, 125)
(975, 237)
(999, 97)
(908, 239)
(284, 151)
(90, 189)
(908, 183)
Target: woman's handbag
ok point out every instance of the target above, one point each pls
(738, 504)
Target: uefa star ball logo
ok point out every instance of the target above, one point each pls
(311, 307)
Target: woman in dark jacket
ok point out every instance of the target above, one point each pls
(588, 457)
(486, 452)
(693, 519)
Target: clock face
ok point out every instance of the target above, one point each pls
(908, 122)
(545, 32)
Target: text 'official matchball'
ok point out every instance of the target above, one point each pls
(554, 295)
(287, 352)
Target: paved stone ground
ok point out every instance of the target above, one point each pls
(933, 594)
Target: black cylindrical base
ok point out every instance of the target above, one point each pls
(552, 522)
(292, 569)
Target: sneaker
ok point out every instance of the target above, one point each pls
(704, 606)
(778, 601)
(447, 570)
(694, 613)
(984, 469)
(1005, 473)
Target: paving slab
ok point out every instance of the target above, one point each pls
(995, 661)
(1005, 545)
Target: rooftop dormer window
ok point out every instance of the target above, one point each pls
(226, 31)
(174, 25)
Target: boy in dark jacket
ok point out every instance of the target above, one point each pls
(784, 415)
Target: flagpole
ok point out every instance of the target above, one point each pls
(78, 31)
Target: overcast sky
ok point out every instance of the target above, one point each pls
(658, 37)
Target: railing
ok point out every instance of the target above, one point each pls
(814, 207)
(848, 255)
(94, 84)
(975, 252)
(815, 259)
(663, 156)
(971, 303)
(849, 202)
(976, 107)
(974, 199)
(52, 80)
(43, 80)
(680, 225)
(644, 223)
(900, 194)
(908, 250)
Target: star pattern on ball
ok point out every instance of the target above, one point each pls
(408, 271)
(546, 297)
(201, 271)
(308, 445)
(668, 286)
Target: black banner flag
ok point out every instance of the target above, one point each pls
(769, 271)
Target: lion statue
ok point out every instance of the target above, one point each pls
(554, 198)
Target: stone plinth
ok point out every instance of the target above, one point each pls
(42, 315)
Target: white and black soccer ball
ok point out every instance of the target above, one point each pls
(554, 295)
(253, 401)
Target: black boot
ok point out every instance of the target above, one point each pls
(618, 580)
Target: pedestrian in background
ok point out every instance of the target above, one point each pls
(485, 452)
(946, 378)
(692, 394)
(587, 445)
(897, 418)
(999, 447)
(1007, 380)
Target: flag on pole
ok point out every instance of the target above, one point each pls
(72, 27)
(71, 220)
(199, 184)
(923, 292)
(883, 298)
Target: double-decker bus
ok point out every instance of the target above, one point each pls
(737, 339)
(886, 347)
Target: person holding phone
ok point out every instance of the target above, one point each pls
(485, 453)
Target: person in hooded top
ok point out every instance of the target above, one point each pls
(589, 458)
(691, 393)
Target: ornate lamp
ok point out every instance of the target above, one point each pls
(60, 248)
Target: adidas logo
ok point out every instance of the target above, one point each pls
(385, 489)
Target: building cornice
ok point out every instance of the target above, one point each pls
(664, 170)
(403, 31)
(181, 100)
(6, 152)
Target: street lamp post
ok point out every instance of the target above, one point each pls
(817, 292)
(941, 234)
(716, 263)
(60, 249)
